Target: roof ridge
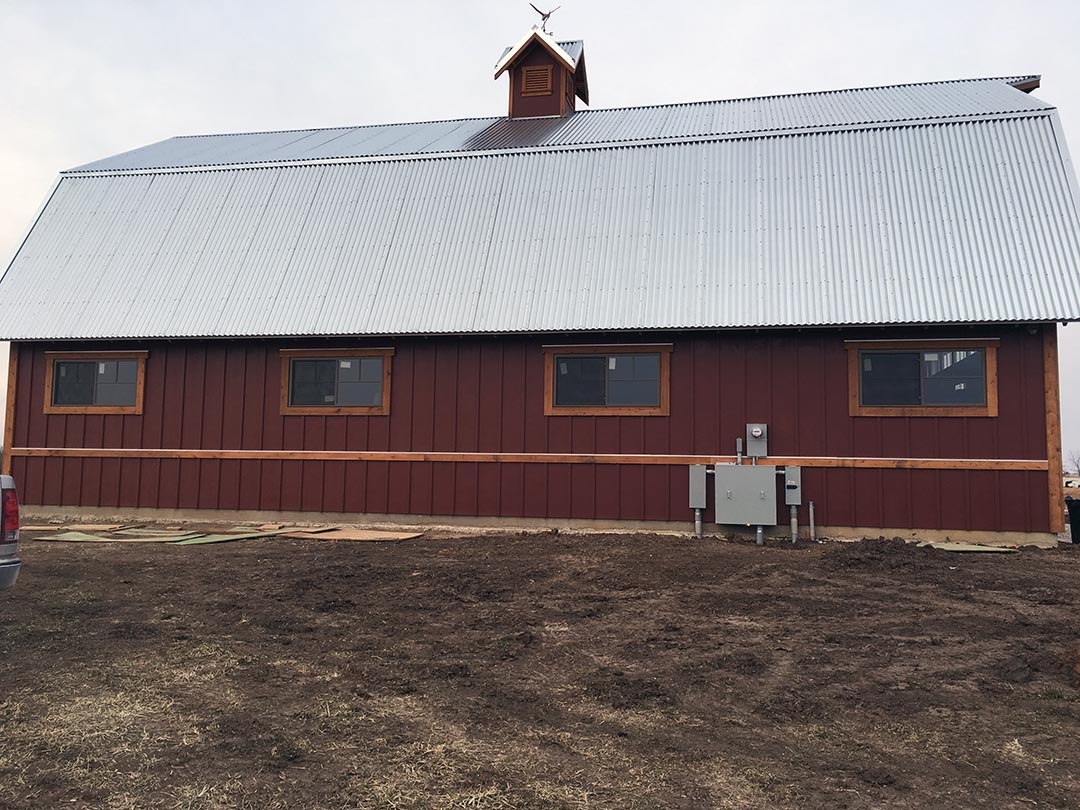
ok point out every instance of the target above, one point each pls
(346, 127)
(1006, 79)
(620, 143)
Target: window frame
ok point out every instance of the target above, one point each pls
(51, 358)
(287, 356)
(661, 349)
(855, 349)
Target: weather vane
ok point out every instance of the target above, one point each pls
(544, 15)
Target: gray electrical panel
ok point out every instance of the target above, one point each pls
(746, 495)
(697, 486)
(793, 486)
(757, 440)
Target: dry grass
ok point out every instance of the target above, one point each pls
(353, 683)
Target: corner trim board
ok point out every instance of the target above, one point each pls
(9, 413)
(1055, 484)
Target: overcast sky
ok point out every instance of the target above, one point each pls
(83, 80)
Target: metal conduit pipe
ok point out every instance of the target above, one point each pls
(794, 524)
(813, 536)
(697, 524)
(760, 535)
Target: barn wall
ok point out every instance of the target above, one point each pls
(485, 394)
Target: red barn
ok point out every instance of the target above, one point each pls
(554, 315)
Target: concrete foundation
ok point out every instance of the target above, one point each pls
(492, 524)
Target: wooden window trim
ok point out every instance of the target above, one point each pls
(140, 382)
(548, 83)
(856, 408)
(663, 409)
(287, 355)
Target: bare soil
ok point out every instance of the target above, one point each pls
(539, 671)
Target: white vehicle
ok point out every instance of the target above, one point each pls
(9, 532)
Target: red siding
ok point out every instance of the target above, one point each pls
(533, 106)
(486, 395)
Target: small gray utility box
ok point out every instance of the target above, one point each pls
(746, 495)
(698, 486)
(793, 486)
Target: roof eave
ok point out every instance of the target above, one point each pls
(1028, 83)
(581, 79)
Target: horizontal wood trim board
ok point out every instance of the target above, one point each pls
(922, 343)
(111, 354)
(529, 458)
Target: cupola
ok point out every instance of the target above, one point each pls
(546, 77)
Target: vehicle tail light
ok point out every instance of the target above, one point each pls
(9, 517)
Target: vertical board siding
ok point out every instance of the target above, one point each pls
(486, 395)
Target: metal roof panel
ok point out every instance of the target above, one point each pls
(954, 222)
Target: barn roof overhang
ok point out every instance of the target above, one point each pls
(534, 37)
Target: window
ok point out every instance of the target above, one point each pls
(536, 80)
(344, 381)
(607, 380)
(107, 382)
(923, 378)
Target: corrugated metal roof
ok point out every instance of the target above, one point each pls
(968, 221)
(573, 49)
(833, 109)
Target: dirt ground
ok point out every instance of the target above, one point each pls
(539, 671)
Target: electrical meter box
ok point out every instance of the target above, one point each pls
(746, 494)
(757, 440)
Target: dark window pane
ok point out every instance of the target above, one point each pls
(343, 381)
(127, 371)
(954, 377)
(579, 380)
(106, 371)
(646, 367)
(371, 369)
(95, 382)
(620, 367)
(312, 382)
(890, 378)
(348, 370)
(360, 382)
(115, 382)
(357, 394)
(633, 392)
(115, 394)
(634, 379)
(73, 382)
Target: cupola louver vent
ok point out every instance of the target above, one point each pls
(536, 80)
